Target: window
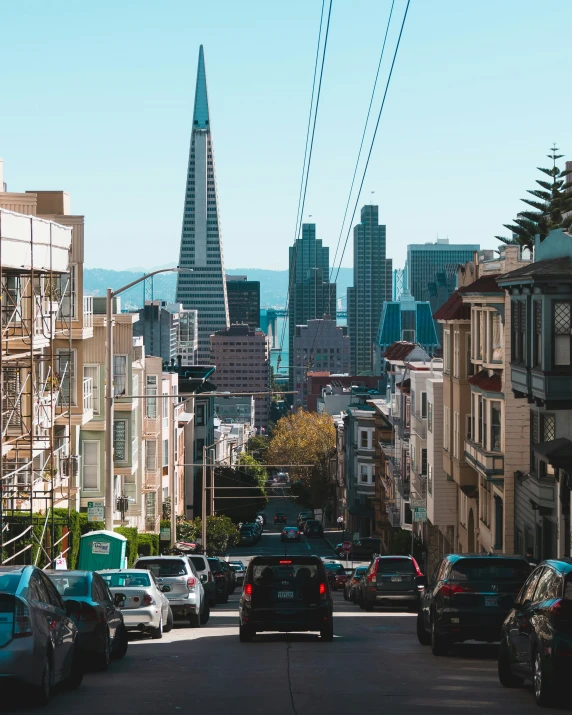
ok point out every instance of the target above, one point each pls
(549, 585)
(463, 508)
(119, 375)
(151, 455)
(200, 414)
(166, 453)
(446, 428)
(423, 461)
(456, 357)
(496, 338)
(66, 369)
(366, 473)
(200, 443)
(120, 440)
(151, 401)
(537, 348)
(446, 351)
(456, 435)
(430, 417)
(92, 371)
(518, 308)
(562, 332)
(165, 406)
(496, 427)
(423, 404)
(365, 439)
(90, 465)
(470, 370)
(430, 479)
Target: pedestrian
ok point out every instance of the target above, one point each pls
(340, 521)
(530, 557)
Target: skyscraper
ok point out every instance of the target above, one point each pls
(311, 293)
(201, 246)
(372, 286)
(243, 301)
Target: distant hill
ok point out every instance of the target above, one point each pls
(273, 284)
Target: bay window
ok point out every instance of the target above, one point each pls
(562, 334)
(496, 427)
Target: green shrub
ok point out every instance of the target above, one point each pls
(148, 544)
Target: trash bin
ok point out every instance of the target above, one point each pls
(102, 550)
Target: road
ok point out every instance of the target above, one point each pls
(375, 664)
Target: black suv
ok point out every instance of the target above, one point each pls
(536, 642)
(465, 599)
(390, 580)
(285, 594)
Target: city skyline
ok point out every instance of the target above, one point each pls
(128, 98)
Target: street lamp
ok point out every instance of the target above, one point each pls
(111, 294)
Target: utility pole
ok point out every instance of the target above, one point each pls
(212, 465)
(204, 502)
(172, 475)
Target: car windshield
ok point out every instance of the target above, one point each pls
(198, 563)
(395, 566)
(360, 571)
(487, 569)
(238, 564)
(9, 582)
(290, 528)
(69, 585)
(164, 567)
(126, 579)
(335, 567)
(236, 567)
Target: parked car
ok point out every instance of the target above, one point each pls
(38, 639)
(365, 549)
(186, 594)
(102, 632)
(248, 537)
(201, 565)
(350, 590)
(230, 577)
(536, 637)
(303, 517)
(465, 599)
(239, 571)
(290, 533)
(143, 602)
(280, 518)
(336, 574)
(255, 527)
(221, 580)
(390, 580)
(285, 594)
(313, 527)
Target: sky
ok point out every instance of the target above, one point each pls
(98, 102)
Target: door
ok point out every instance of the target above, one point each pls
(538, 628)
(519, 624)
(102, 594)
(52, 617)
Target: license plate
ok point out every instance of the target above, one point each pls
(491, 601)
(396, 579)
(285, 594)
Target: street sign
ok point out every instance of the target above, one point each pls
(356, 536)
(420, 514)
(95, 511)
(165, 533)
(61, 563)
(347, 547)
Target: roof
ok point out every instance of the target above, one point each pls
(457, 557)
(557, 451)
(486, 382)
(201, 110)
(454, 308)
(484, 284)
(550, 268)
(399, 350)
(318, 373)
(564, 564)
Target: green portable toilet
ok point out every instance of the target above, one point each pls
(102, 550)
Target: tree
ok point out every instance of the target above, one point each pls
(238, 503)
(553, 204)
(306, 438)
(258, 447)
(222, 534)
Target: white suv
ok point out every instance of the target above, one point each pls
(185, 592)
(201, 565)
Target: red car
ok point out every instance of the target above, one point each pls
(336, 574)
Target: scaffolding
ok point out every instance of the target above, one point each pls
(37, 385)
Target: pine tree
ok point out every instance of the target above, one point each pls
(552, 204)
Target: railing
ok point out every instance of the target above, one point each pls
(403, 487)
(152, 479)
(87, 394)
(491, 464)
(151, 523)
(419, 483)
(394, 515)
(419, 426)
(87, 311)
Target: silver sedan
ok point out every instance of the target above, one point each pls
(144, 606)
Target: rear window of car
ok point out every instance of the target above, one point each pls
(486, 569)
(338, 568)
(395, 566)
(265, 574)
(9, 582)
(126, 580)
(70, 586)
(236, 564)
(198, 563)
(164, 567)
(360, 571)
(215, 565)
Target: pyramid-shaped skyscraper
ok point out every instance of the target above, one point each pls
(203, 289)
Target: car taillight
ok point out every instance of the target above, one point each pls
(371, 577)
(147, 600)
(417, 569)
(449, 590)
(22, 621)
(561, 608)
(323, 589)
(247, 592)
(191, 583)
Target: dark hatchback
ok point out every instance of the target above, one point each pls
(285, 594)
(313, 528)
(465, 599)
(102, 633)
(390, 580)
(536, 642)
(221, 580)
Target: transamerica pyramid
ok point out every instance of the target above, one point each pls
(201, 246)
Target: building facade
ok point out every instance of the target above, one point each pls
(168, 330)
(372, 287)
(243, 301)
(203, 287)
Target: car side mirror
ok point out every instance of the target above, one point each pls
(119, 599)
(507, 601)
(165, 589)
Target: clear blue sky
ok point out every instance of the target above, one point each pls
(97, 100)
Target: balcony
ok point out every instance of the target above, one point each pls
(552, 387)
(393, 514)
(489, 464)
(403, 486)
(418, 482)
(419, 426)
(151, 479)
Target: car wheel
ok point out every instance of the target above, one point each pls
(245, 634)
(422, 636)
(506, 677)
(205, 615)
(103, 659)
(169, 625)
(75, 676)
(195, 620)
(41, 693)
(157, 633)
(120, 643)
(543, 684)
(439, 644)
(327, 632)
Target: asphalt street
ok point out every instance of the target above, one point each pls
(374, 664)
